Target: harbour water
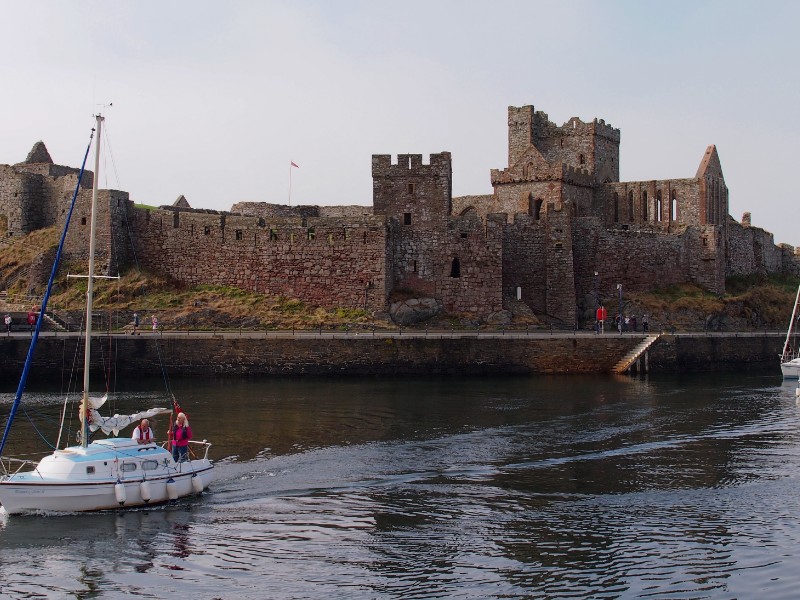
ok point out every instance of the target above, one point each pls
(512, 487)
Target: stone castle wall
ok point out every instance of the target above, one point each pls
(325, 262)
(558, 214)
(752, 250)
(461, 264)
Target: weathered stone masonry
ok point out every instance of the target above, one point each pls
(559, 231)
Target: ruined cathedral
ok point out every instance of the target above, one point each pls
(558, 233)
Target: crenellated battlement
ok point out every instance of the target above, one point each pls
(411, 165)
(576, 175)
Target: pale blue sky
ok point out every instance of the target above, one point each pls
(213, 99)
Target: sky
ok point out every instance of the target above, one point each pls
(214, 100)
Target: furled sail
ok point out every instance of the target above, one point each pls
(117, 422)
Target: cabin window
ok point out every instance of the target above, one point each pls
(273, 235)
(128, 467)
(90, 470)
(311, 234)
(412, 187)
(239, 234)
(149, 465)
(406, 218)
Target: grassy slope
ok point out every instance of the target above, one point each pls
(749, 303)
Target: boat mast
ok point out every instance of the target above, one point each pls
(791, 325)
(90, 289)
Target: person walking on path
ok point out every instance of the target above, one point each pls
(7, 322)
(135, 323)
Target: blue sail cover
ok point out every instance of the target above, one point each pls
(24, 377)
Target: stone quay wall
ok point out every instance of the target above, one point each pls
(210, 355)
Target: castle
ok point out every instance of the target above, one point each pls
(558, 234)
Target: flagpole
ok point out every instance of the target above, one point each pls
(292, 165)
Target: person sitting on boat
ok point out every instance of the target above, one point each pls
(143, 434)
(181, 434)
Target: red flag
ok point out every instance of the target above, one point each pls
(293, 164)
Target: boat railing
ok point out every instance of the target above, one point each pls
(7, 465)
(206, 446)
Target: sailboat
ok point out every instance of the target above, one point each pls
(790, 357)
(106, 473)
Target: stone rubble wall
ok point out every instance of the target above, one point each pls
(325, 262)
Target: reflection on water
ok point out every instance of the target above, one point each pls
(438, 487)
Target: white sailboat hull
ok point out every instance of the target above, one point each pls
(791, 369)
(107, 474)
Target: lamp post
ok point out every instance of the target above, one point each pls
(621, 318)
(596, 306)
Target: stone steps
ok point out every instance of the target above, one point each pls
(624, 365)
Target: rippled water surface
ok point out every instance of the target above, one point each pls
(460, 488)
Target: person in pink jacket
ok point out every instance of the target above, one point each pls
(181, 434)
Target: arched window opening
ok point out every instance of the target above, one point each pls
(645, 216)
(616, 207)
(535, 208)
(455, 268)
(630, 206)
(673, 207)
(582, 159)
(658, 206)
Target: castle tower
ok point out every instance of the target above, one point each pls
(592, 147)
(411, 192)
